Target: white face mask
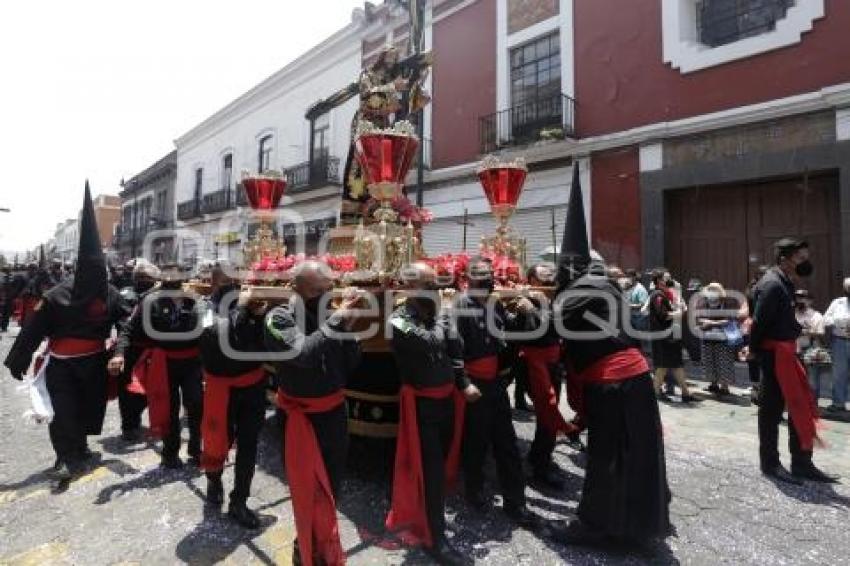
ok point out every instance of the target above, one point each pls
(624, 282)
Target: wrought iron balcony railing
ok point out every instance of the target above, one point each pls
(189, 209)
(534, 120)
(323, 171)
(219, 201)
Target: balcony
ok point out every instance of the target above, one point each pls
(189, 209)
(322, 172)
(549, 118)
(219, 201)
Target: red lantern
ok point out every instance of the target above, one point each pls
(263, 191)
(503, 184)
(385, 157)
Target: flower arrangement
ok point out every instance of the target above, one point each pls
(452, 269)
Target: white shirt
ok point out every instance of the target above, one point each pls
(837, 316)
(812, 322)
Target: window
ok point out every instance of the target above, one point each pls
(199, 183)
(265, 154)
(699, 34)
(160, 204)
(720, 22)
(536, 70)
(227, 171)
(320, 137)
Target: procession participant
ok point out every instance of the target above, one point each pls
(625, 494)
(319, 358)
(6, 298)
(234, 394)
(76, 316)
(784, 382)
(38, 282)
(542, 358)
(55, 272)
(132, 402)
(488, 423)
(168, 368)
(434, 388)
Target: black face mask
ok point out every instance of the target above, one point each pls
(172, 285)
(143, 286)
(804, 269)
(484, 284)
(225, 289)
(312, 305)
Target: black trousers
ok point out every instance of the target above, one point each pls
(130, 405)
(5, 314)
(771, 407)
(435, 419)
(543, 445)
(78, 391)
(184, 379)
(488, 422)
(246, 413)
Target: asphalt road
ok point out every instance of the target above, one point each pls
(126, 510)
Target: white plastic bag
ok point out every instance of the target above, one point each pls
(42, 406)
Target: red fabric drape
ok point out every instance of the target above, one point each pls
(408, 514)
(483, 368)
(312, 497)
(150, 377)
(794, 384)
(215, 426)
(538, 361)
(75, 346)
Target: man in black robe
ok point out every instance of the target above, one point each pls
(625, 495)
(76, 317)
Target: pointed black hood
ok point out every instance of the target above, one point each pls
(90, 277)
(575, 249)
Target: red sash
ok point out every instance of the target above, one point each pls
(485, 369)
(312, 497)
(408, 513)
(616, 367)
(28, 305)
(150, 377)
(215, 426)
(75, 347)
(542, 391)
(794, 383)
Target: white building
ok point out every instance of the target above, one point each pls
(66, 239)
(265, 129)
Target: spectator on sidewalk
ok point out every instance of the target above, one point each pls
(810, 348)
(665, 313)
(837, 319)
(721, 337)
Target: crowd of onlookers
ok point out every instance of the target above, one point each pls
(716, 335)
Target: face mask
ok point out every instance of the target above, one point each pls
(484, 283)
(804, 269)
(624, 282)
(312, 305)
(142, 286)
(172, 285)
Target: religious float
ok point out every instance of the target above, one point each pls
(380, 232)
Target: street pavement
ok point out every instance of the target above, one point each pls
(126, 510)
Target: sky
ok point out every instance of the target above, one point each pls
(99, 89)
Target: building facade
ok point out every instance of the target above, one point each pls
(66, 240)
(704, 129)
(147, 213)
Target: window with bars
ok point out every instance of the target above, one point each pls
(199, 183)
(227, 171)
(536, 70)
(264, 157)
(320, 137)
(721, 22)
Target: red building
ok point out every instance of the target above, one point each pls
(705, 129)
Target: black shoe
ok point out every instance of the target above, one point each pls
(131, 436)
(574, 442)
(778, 473)
(239, 512)
(86, 455)
(661, 396)
(834, 409)
(476, 500)
(812, 473)
(713, 388)
(669, 390)
(445, 554)
(548, 479)
(215, 490)
(172, 462)
(522, 516)
(687, 399)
